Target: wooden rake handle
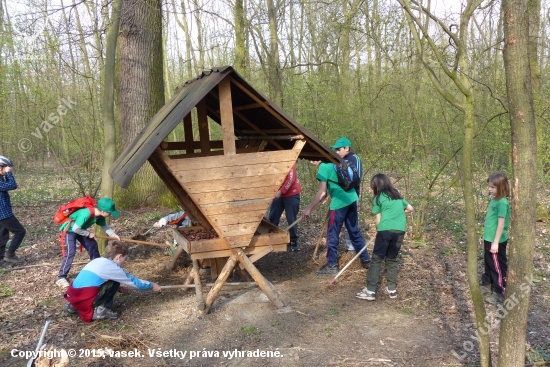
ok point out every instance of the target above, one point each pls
(134, 241)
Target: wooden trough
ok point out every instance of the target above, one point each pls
(225, 185)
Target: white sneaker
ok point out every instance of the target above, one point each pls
(62, 283)
(392, 294)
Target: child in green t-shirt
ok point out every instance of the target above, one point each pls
(343, 211)
(391, 223)
(495, 238)
(78, 223)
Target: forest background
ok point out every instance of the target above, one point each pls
(407, 81)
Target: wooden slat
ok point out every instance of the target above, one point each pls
(211, 185)
(202, 163)
(236, 218)
(234, 173)
(227, 253)
(218, 244)
(204, 133)
(226, 114)
(236, 207)
(233, 230)
(212, 153)
(238, 195)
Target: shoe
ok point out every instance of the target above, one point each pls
(12, 258)
(365, 264)
(495, 298)
(392, 294)
(486, 289)
(365, 294)
(294, 247)
(62, 283)
(102, 313)
(70, 309)
(327, 270)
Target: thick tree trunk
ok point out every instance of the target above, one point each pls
(524, 177)
(140, 87)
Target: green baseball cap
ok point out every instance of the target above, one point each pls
(341, 143)
(108, 205)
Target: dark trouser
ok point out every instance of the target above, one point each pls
(348, 216)
(12, 225)
(291, 206)
(106, 295)
(89, 244)
(496, 267)
(386, 247)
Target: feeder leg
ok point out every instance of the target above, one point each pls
(218, 284)
(198, 287)
(175, 255)
(264, 284)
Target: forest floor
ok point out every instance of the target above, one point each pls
(429, 324)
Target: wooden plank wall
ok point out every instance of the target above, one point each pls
(234, 191)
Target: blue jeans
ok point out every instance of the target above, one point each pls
(90, 244)
(291, 206)
(337, 218)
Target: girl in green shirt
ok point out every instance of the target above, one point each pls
(495, 238)
(389, 207)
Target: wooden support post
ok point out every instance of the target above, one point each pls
(198, 286)
(226, 114)
(175, 255)
(204, 131)
(264, 284)
(188, 133)
(222, 277)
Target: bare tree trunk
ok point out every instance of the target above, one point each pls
(241, 54)
(108, 111)
(140, 86)
(273, 64)
(524, 178)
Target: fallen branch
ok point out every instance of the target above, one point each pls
(39, 265)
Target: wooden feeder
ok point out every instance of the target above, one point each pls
(225, 185)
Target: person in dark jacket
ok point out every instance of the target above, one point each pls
(8, 221)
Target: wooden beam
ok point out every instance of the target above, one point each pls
(204, 132)
(226, 112)
(257, 256)
(263, 283)
(188, 133)
(247, 121)
(271, 137)
(280, 118)
(218, 284)
(182, 145)
(247, 107)
(269, 131)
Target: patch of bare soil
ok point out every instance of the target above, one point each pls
(426, 325)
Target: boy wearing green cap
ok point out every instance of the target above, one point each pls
(76, 230)
(343, 208)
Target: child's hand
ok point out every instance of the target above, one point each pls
(156, 288)
(306, 212)
(123, 290)
(494, 248)
(157, 225)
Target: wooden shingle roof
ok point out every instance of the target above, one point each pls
(253, 115)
